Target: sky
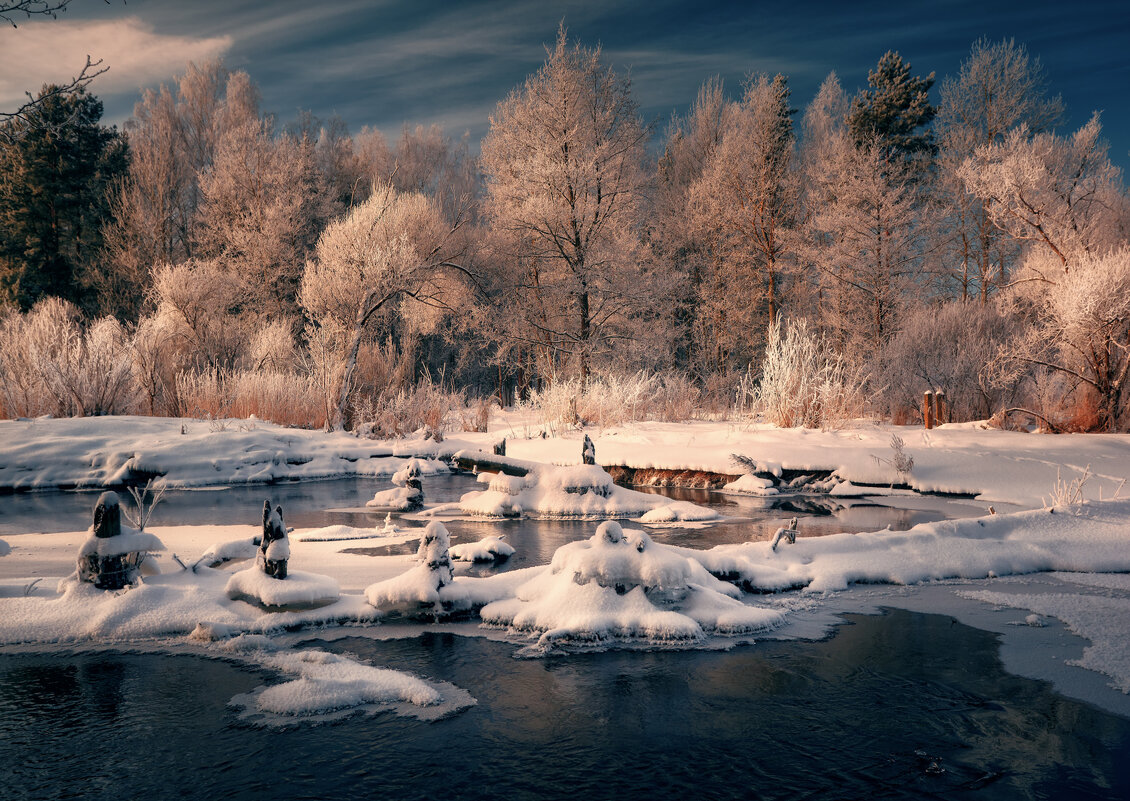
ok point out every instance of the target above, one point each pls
(391, 62)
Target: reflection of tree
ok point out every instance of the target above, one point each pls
(101, 681)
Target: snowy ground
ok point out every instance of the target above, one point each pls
(1053, 582)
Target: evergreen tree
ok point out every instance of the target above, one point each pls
(895, 110)
(55, 169)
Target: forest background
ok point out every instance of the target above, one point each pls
(809, 266)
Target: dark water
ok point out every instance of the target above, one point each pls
(901, 705)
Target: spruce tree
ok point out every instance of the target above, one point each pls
(55, 170)
(895, 111)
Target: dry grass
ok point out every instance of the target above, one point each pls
(284, 398)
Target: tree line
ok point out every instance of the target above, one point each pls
(897, 245)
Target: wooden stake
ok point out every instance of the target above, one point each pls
(928, 409)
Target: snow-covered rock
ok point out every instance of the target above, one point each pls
(488, 549)
(621, 586)
(574, 491)
(750, 484)
(298, 590)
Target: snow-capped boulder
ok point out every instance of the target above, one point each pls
(488, 549)
(622, 586)
(406, 496)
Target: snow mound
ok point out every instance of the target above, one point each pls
(750, 484)
(1088, 537)
(621, 586)
(397, 499)
(573, 491)
(338, 533)
(298, 589)
(220, 552)
(5, 548)
(488, 549)
(678, 512)
(430, 589)
(329, 686)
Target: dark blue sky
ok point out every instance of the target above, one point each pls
(386, 63)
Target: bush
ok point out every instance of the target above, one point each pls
(404, 411)
(952, 348)
(804, 382)
(284, 398)
(50, 365)
(612, 400)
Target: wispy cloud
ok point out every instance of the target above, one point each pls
(137, 55)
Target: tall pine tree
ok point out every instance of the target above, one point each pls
(895, 111)
(55, 170)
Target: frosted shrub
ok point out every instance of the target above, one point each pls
(950, 348)
(272, 347)
(804, 382)
(425, 406)
(98, 374)
(207, 304)
(50, 365)
(284, 398)
(613, 399)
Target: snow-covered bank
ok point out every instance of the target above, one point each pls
(90, 452)
(997, 466)
(1092, 537)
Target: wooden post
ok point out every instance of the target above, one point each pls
(943, 415)
(928, 409)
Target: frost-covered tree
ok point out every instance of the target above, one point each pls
(747, 199)
(394, 246)
(998, 89)
(865, 185)
(563, 164)
(1060, 193)
(173, 137)
(865, 242)
(1081, 326)
(263, 204)
(692, 259)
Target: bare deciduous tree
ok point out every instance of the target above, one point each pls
(563, 163)
(394, 245)
(998, 88)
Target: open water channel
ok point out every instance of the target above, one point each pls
(898, 705)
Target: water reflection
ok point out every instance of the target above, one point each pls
(901, 705)
(341, 501)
